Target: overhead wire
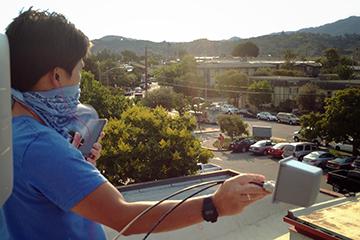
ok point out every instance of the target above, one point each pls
(162, 218)
(162, 200)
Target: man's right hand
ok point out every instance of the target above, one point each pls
(237, 192)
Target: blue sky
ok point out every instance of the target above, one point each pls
(187, 20)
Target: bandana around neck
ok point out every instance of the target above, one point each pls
(56, 107)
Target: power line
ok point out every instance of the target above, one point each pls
(240, 91)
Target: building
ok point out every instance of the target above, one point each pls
(262, 220)
(331, 220)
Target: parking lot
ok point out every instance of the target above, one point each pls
(248, 162)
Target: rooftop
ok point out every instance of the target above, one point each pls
(262, 220)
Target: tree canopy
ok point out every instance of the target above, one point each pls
(340, 122)
(259, 93)
(248, 49)
(230, 82)
(183, 76)
(108, 102)
(342, 114)
(310, 97)
(166, 98)
(149, 144)
(232, 125)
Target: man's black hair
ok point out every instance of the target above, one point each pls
(40, 41)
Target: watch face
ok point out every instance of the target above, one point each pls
(209, 211)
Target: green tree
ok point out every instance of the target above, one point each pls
(311, 125)
(167, 74)
(230, 82)
(248, 49)
(344, 72)
(148, 144)
(259, 93)
(107, 102)
(289, 57)
(332, 58)
(310, 97)
(232, 125)
(341, 118)
(163, 97)
(129, 56)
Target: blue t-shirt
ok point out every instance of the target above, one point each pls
(50, 177)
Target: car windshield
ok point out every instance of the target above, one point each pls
(315, 154)
(261, 143)
(279, 145)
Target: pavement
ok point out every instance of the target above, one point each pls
(207, 141)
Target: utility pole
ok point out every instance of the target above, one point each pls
(146, 71)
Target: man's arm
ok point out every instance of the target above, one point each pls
(107, 206)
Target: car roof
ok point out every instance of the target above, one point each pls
(318, 152)
(301, 143)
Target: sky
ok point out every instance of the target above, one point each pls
(187, 20)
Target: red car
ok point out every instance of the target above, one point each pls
(277, 150)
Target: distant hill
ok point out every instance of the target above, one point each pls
(343, 35)
(350, 25)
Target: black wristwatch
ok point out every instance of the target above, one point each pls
(209, 212)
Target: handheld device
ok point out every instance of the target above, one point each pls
(91, 134)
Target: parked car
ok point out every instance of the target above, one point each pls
(299, 149)
(288, 118)
(340, 163)
(208, 167)
(229, 109)
(138, 92)
(241, 145)
(356, 164)
(318, 158)
(261, 147)
(342, 146)
(299, 136)
(246, 113)
(266, 116)
(277, 150)
(344, 181)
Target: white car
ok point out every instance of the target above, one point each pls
(228, 108)
(342, 146)
(266, 116)
(318, 158)
(208, 167)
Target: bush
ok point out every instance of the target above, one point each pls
(149, 144)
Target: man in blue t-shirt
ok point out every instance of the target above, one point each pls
(57, 193)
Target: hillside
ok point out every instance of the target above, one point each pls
(343, 35)
(350, 25)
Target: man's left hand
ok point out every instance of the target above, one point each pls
(96, 151)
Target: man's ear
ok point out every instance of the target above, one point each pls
(55, 77)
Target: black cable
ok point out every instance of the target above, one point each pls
(177, 205)
(162, 200)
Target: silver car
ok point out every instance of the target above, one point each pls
(261, 147)
(298, 149)
(318, 158)
(266, 116)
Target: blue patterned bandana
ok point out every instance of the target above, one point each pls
(56, 107)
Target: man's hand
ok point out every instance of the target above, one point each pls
(95, 151)
(237, 192)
